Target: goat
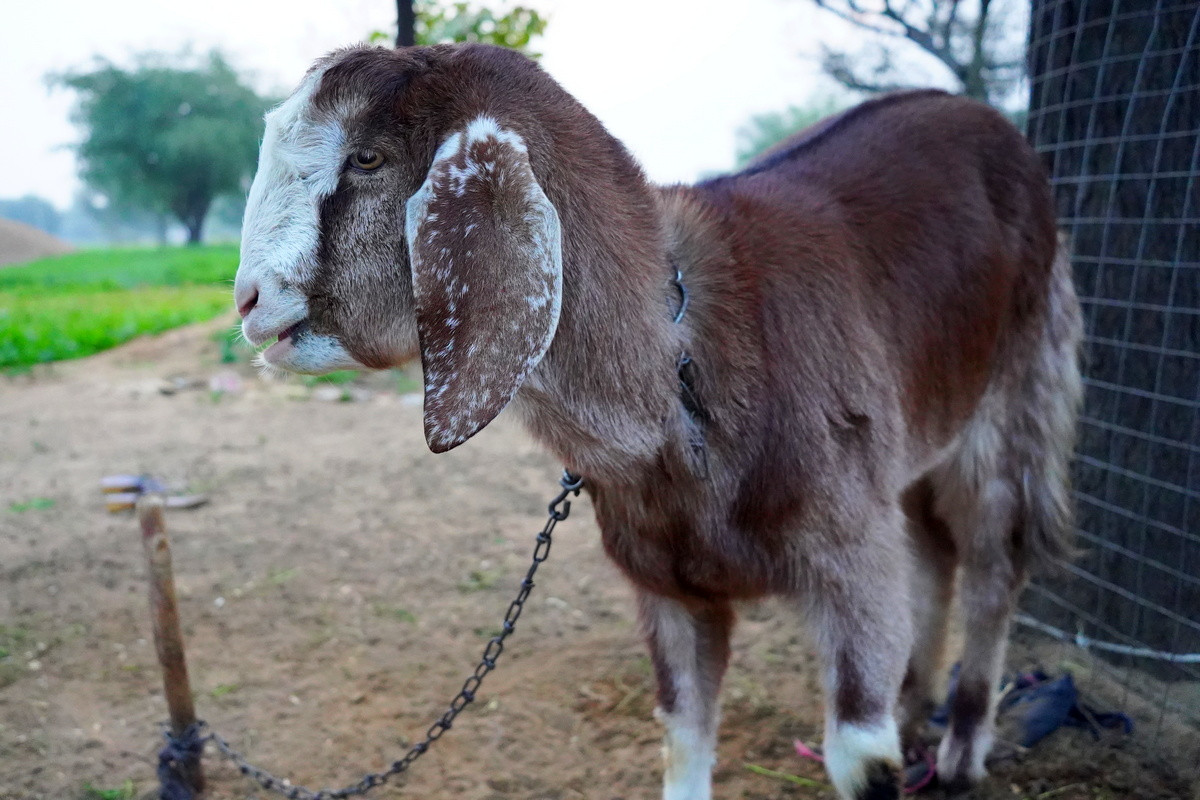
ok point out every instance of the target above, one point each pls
(880, 381)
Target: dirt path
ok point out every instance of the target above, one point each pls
(336, 591)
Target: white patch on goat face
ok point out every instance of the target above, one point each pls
(299, 166)
(313, 354)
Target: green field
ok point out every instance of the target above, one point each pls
(85, 302)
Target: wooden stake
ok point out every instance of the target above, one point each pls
(168, 638)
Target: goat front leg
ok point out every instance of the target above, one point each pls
(689, 645)
(859, 602)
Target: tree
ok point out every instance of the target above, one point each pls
(433, 22)
(406, 23)
(167, 139)
(763, 131)
(33, 211)
(980, 43)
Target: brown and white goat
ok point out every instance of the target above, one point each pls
(883, 378)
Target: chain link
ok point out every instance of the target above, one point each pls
(559, 508)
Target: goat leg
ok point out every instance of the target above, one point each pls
(689, 645)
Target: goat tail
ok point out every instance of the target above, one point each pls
(1053, 392)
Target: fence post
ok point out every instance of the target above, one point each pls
(168, 639)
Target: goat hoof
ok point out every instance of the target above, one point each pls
(956, 785)
(883, 782)
(957, 781)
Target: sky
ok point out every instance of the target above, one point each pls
(673, 79)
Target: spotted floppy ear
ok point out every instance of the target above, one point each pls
(485, 247)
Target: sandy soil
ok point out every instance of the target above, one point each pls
(20, 243)
(339, 587)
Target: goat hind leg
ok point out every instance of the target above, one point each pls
(934, 566)
(689, 645)
(990, 583)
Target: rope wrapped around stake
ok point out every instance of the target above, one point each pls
(178, 761)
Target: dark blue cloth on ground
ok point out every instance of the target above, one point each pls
(1043, 705)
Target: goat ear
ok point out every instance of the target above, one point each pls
(485, 247)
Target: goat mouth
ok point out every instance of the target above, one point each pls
(294, 331)
(287, 339)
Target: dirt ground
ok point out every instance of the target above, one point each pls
(336, 591)
(20, 243)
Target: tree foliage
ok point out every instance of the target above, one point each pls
(976, 41)
(467, 22)
(764, 131)
(33, 211)
(438, 22)
(167, 139)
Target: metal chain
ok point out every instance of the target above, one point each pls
(571, 484)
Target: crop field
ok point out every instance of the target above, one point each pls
(78, 304)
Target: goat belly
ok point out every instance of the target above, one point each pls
(678, 558)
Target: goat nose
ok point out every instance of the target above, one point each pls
(246, 298)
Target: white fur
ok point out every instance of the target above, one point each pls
(277, 309)
(952, 756)
(849, 748)
(299, 166)
(688, 757)
(690, 743)
(484, 127)
(315, 354)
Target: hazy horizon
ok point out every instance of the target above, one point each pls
(674, 81)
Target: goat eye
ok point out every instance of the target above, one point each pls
(366, 160)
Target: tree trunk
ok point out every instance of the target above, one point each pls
(160, 229)
(195, 227)
(974, 84)
(1114, 100)
(406, 27)
(193, 222)
(192, 211)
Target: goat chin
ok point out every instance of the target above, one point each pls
(883, 338)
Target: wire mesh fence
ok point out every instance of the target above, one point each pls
(1115, 113)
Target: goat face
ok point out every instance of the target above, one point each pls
(389, 219)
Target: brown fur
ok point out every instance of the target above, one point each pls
(874, 304)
